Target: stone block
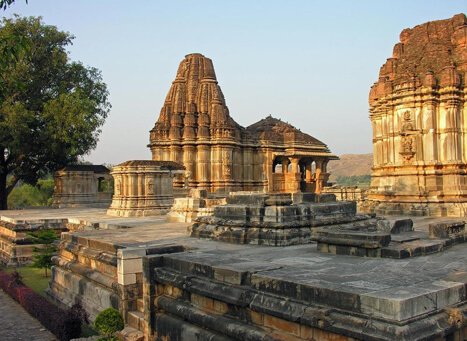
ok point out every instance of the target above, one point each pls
(403, 303)
(446, 229)
(401, 225)
(326, 197)
(233, 212)
(126, 279)
(303, 197)
(247, 198)
(130, 266)
(198, 193)
(131, 253)
(281, 325)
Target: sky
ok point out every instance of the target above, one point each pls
(310, 63)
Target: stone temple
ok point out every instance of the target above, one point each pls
(280, 263)
(195, 129)
(418, 112)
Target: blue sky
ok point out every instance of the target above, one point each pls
(311, 63)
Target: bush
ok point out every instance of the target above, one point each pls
(65, 325)
(25, 195)
(108, 322)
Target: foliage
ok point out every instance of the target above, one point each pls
(108, 322)
(65, 324)
(43, 254)
(43, 257)
(51, 109)
(354, 180)
(25, 195)
(6, 3)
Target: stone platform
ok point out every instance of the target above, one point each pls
(276, 219)
(170, 285)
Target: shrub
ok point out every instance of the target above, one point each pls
(108, 322)
(65, 324)
(25, 195)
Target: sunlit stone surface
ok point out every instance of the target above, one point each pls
(195, 129)
(419, 116)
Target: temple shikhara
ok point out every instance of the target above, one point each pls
(418, 112)
(196, 130)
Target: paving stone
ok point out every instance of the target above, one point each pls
(18, 325)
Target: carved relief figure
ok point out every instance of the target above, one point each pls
(150, 187)
(408, 123)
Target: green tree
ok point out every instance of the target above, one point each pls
(43, 255)
(51, 109)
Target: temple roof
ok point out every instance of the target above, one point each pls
(86, 168)
(168, 165)
(275, 130)
(431, 54)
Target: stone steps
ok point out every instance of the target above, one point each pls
(140, 305)
(135, 319)
(130, 334)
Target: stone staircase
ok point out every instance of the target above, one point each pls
(134, 327)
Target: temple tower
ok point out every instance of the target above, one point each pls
(418, 114)
(195, 129)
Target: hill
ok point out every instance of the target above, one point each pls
(350, 165)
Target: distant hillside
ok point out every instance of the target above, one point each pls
(350, 165)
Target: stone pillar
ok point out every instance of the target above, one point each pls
(203, 167)
(308, 173)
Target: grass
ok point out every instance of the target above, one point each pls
(33, 278)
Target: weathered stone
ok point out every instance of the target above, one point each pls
(401, 225)
(447, 229)
(420, 149)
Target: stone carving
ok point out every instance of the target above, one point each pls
(200, 122)
(150, 187)
(227, 163)
(407, 148)
(425, 81)
(408, 124)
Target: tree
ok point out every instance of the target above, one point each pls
(43, 255)
(5, 3)
(51, 109)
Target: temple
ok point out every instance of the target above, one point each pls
(195, 129)
(419, 117)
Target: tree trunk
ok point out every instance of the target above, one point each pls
(3, 191)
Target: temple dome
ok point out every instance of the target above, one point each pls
(274, 130)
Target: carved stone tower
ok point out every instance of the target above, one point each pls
(418, 113)
(195, 129)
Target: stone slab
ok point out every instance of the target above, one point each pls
(446, 229)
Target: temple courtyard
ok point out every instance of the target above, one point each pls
(170, 283)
